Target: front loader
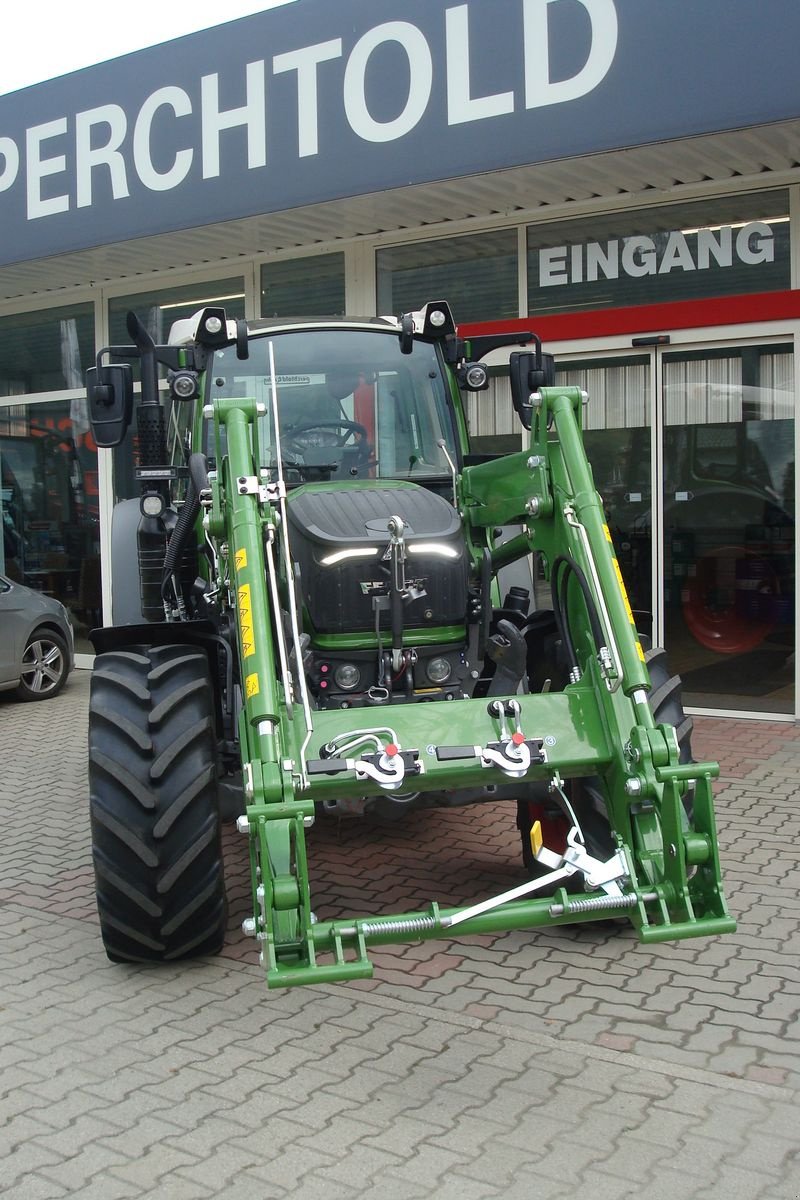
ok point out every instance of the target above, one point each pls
(324, 604)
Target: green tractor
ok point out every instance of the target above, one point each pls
(325, 604)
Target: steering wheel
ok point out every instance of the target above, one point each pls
(296, 439)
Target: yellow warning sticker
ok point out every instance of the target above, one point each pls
(246, 621)
(607, 532)
(624, 593)
(251, 687)
(640, 651)
(240, 560)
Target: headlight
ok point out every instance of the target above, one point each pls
(347, 677)
(438, 670)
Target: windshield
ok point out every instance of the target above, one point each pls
(350, 405)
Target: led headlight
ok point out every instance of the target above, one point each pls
(438, 670)
(184, 385)
(347, 677)
(476, 376)
(437, 318)
(152, 504)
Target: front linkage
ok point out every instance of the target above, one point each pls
(664, 872)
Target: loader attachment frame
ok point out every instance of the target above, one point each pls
(664, 871)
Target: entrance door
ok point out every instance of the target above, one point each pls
(708, 433)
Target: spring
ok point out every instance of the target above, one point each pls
(597, 904)
(412, 925)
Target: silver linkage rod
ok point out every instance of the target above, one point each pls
(293, 617)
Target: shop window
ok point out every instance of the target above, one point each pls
(476, 274)
(726, 246)
(50, 506)
(159, 310)
(303, 287)
(46, 351)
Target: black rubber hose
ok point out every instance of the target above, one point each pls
(560, 602)
(559, 612)
(198, 480)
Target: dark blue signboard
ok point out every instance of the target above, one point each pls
(319, 100)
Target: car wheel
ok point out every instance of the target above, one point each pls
(45, 666)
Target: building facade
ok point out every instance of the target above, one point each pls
(622, 176)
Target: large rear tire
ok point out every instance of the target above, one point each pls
(154, 810)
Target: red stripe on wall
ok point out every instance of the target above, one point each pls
(650, 318)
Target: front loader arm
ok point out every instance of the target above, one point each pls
(550, 490)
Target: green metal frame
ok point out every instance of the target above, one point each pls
(599, 726)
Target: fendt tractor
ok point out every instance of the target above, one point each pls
(312, 615)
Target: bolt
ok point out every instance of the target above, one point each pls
(535, 460)
(535, 399)
(673, 850)
(242, 824)
(249, 927)
(633, 786)
(532, 506)
(308, 821)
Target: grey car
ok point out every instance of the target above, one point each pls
(37, 644)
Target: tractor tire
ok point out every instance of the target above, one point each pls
(586, 795)
(665, 700)
(154, 809)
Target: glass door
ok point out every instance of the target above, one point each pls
(692, 452)
(728, 578)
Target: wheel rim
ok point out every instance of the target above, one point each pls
(42, 666)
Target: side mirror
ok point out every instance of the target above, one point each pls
(529, 371)
(109, 390)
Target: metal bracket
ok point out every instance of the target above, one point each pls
(575, 858)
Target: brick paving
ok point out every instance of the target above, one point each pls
(519, 1065)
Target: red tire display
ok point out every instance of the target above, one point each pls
(730, 603)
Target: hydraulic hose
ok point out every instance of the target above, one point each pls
(198, 480)
(563, 567)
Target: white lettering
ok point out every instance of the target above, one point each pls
(576, 263)
(87, 157)
(539, 89)
(39, 168)
(676, 254)
(553, 266)
(639, 256)
(253, 114)
(754, 244)
(598, 260)
(461, 106)
(305, 63)
(420, 83)
(10, 153)
(720, 248)
(160, 181)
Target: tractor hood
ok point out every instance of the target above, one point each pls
(340, 538)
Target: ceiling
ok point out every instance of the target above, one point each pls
(753, 158)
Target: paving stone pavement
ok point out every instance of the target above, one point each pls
(521, 1065)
